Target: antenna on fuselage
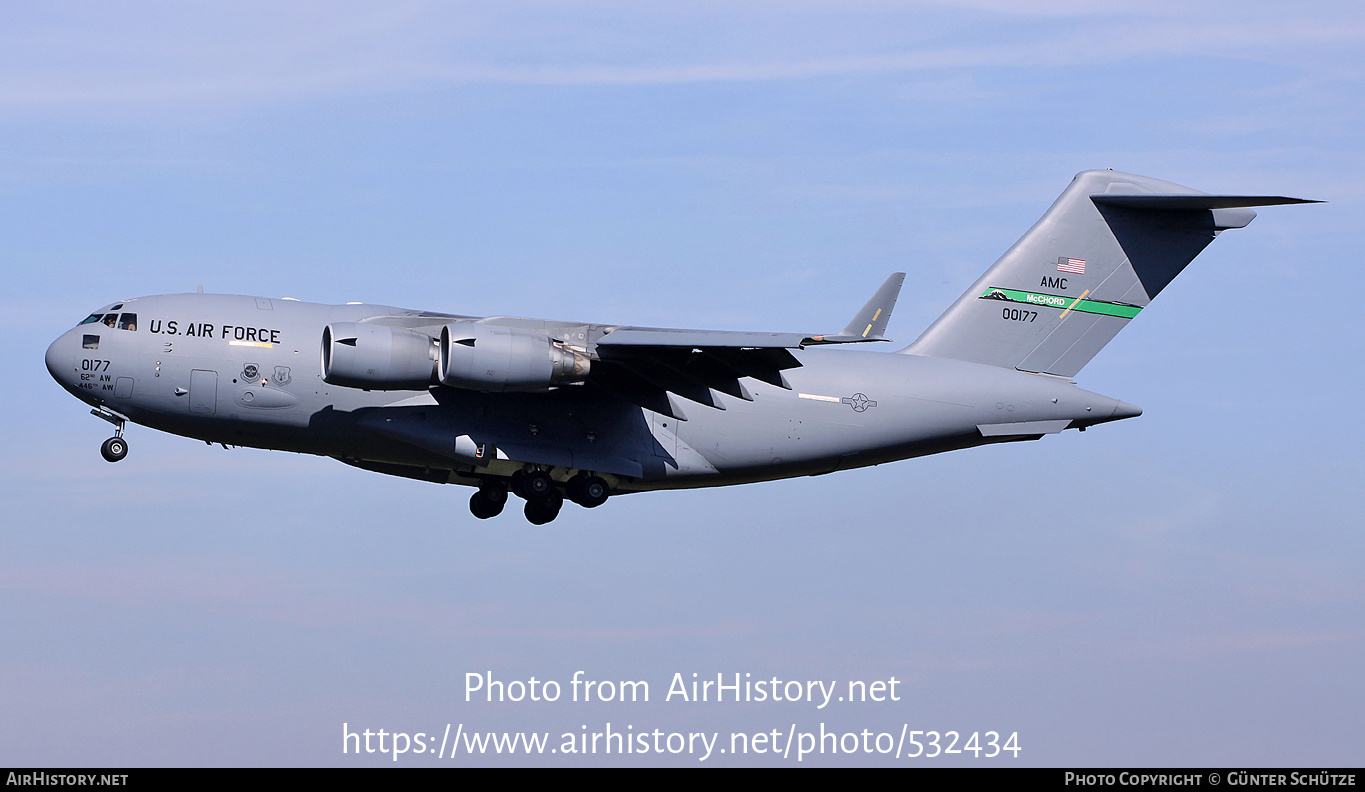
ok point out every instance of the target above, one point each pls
(199, 289)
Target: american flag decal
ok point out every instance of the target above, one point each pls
(1071, 265)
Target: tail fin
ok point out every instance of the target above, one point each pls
(1108, 245)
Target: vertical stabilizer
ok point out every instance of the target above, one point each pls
(1105, 248)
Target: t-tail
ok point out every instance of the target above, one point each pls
(1100, 254)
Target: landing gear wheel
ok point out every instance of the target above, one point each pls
(114, 449)
(535, 485)
(483, 506)
(588, 491)
(540, 511)
(493, 491)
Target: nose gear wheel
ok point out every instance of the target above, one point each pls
(114, 449)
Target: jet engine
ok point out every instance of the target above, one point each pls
(491, 358)
(376, 357)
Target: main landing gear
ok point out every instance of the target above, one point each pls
(587, 490)
(115, 448)
(488, 500)
(541, 493)
(543, 499)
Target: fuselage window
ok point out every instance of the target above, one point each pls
(127, 321)
(90, 342)
(111, 320)
(90, 319)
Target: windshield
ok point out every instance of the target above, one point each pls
(126, 321)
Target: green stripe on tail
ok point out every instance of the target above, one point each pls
(1062, 302)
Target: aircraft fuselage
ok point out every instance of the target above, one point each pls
(246, 371)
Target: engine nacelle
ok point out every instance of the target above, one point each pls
(491, 358)
(376, 357)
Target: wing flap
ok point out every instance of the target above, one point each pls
(645, 364)
(670, 378)
(624, 383)
(646, 375)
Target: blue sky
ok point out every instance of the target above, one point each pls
(1183, 588)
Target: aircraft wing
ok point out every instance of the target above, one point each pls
(649, 375)
(650, 365)
(731, 339)
(868, 325)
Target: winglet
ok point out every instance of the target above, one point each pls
(870, 323)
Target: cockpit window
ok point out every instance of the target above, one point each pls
(126, 321)
(90, 342)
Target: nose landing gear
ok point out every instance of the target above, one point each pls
(115, 448)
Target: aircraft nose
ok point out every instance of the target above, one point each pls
(58, 357)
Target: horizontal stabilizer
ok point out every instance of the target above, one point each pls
(1187, 202)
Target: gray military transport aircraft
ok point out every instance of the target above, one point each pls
(550, 409)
